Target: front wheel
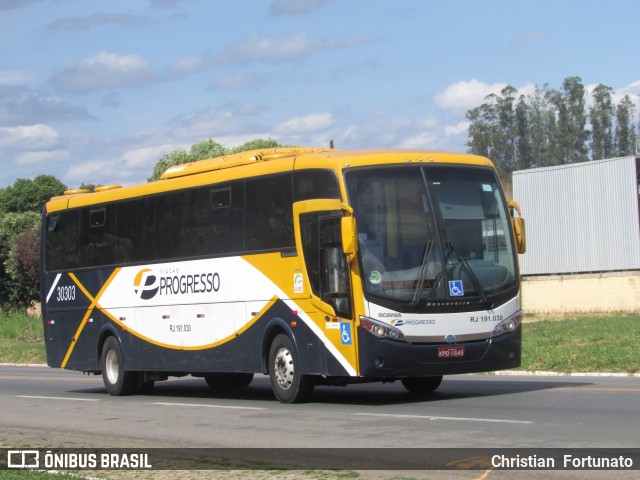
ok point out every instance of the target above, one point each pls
(421, 384)
(288, 384)
(116, 379)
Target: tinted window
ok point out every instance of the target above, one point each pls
(98, 242)
(62, 240)
(269, 214)
(176, 225)
(135, 226)
(310, 184)
(221, 220)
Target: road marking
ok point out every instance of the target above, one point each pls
(31, 377)
(205, 405)
(432, 417)
(597, 389)
(71, 399)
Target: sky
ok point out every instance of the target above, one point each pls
(96, 92)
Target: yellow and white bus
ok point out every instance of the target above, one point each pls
(314, 266)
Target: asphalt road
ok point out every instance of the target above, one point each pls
(68, 409)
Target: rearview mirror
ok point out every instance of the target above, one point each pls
(519, 232)
(349, 236)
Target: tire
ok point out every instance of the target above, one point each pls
(421, 385)
(117, 381)
(288, 384)
(220, 381)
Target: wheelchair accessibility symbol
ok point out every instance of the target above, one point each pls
(455, 288)
(345, 333)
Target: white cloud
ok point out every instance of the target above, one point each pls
(423, 140)
(457, 129)
(461, 96)
(86, 172)
(30, 137)
(42, 157)
(188, 64)
(14, 77)
(147, 156)
(313, 122)
(104, 71)
(257, 49)
(238, 80)
(206, 123)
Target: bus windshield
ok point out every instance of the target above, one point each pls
(432, 233)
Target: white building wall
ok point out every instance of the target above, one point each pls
(581, 217)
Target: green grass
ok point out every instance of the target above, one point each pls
(581, 343)
(21, 338)
(34, 475)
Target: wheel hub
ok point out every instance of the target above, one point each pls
(112, 367)
(283, 367)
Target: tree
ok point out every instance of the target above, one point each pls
(20, 212)
(493, 127)
(199, 151)
(202, 150)
(30, 195)
(481, 121)
(602, 114)
(12, 225)
(570, 134)
(524, 151)
(257, 144)
(548, 127)
(23, 268)
(542, 128)
(626, 138)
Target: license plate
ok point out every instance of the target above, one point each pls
(450, 352)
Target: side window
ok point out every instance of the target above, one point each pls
(62, 240)
(176, 225)
(98, 243)
(135, 230)
(269, 214)
(310, 184)
(220, 219)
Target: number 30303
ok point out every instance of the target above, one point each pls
(65, 294)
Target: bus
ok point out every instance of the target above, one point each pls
(311, 266)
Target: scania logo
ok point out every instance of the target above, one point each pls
(145, 284)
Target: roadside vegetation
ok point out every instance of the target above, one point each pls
(21, 338)
(583, 343)
(564, 344)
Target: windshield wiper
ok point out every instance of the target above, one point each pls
(422, 272)
(470, 273)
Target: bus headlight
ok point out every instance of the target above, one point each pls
(509, 325)
(381, 330)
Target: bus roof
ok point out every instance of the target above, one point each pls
(254, 163)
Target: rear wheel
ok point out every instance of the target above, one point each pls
(217, 381)
(421, 384)
(116, 379)
(288, 384)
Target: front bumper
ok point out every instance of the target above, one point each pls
(393, 359)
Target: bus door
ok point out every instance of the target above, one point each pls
(325, 234)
